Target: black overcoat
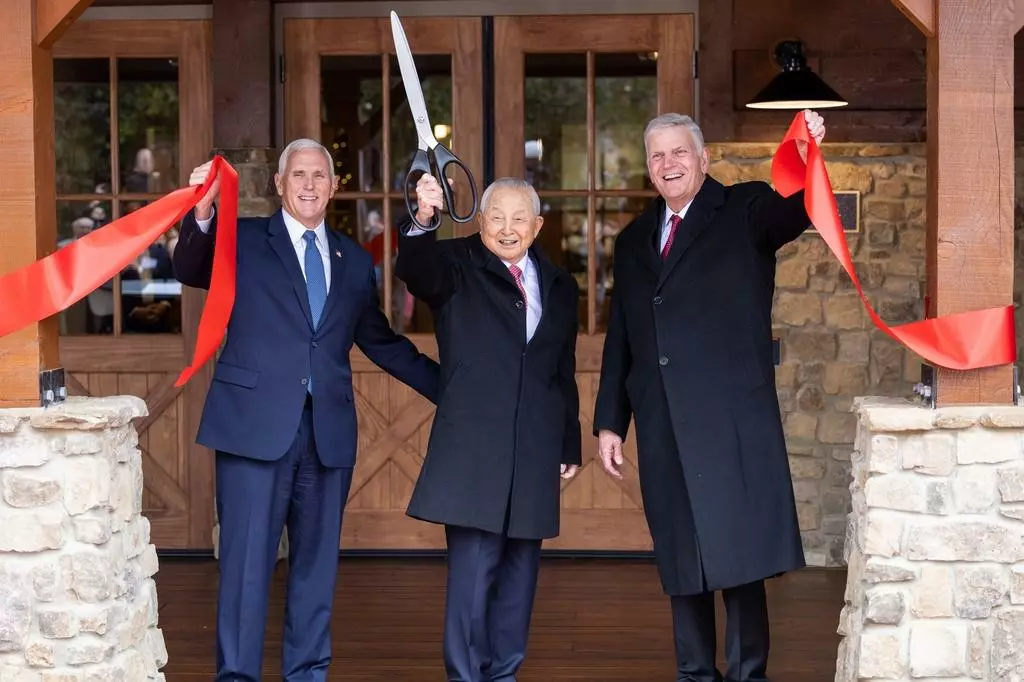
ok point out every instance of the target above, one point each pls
(688, 355)
(507, 411)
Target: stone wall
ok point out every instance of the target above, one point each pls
(831, 351)
(77, 598)
(936, 545)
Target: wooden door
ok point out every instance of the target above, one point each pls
(573, 95)
(342, 87)
(132, 105)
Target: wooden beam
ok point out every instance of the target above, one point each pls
(971, 178)
(921, 12)
(242, 89)
(27, 191)
(54, 16)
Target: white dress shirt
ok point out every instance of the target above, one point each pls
(295, 232)
(666, 227)
(531, 283)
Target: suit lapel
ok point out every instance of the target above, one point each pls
(697, 219)
(646, 242)
(338, 262)
(486, 260)
(547, 274)
(281, 243)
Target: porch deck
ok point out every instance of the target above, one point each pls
(601, 620)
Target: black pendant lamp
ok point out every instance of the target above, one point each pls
(797, 87)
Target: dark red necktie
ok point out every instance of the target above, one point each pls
(673, 226)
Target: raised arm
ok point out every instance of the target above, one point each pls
(193, 255)
(777, 220)
(424, 264)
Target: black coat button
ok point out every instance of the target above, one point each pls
(519, 304)
(657, 300)
(663, 361)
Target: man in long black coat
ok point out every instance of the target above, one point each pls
(507, 426)
(688, 355)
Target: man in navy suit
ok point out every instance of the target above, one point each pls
(280, 412)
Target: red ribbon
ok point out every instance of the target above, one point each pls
(971, 340)
(68, 275)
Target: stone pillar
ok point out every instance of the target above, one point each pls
(256, 167)
(935, 545)
(77, 598)
(257, 196)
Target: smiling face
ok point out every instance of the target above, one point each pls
(305, 187)
(508, 224)
(676, 167)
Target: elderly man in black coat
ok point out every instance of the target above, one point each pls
(688, 355)
(507, 426)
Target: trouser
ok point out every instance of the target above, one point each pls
(746, 635)
(492, 581)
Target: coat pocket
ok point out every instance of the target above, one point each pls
(233, 374)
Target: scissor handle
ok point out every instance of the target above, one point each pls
(442, 158)
(419, 165)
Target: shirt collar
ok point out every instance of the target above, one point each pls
(523, 263)
(297, 229)
(681, 214)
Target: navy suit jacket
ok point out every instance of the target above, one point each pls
(259, 384)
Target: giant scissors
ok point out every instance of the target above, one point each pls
(431, 156)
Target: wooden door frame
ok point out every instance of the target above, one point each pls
(189, 39)
(673, 38)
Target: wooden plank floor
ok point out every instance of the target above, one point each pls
(601, 620)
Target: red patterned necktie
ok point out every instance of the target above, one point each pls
(518, 274)
(673, 226)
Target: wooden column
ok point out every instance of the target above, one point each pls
(28, 230)
(970, 172)
(243, 44)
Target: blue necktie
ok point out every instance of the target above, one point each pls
(316, 283)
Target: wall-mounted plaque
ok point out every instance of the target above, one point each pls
(848, 203)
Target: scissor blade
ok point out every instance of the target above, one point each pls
(411, 82)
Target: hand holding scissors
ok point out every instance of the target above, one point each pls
(431, 158)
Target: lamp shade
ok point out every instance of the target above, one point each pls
(796, 87)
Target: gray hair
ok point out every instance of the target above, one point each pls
(300, 145)
(671, 120)
(511, 183)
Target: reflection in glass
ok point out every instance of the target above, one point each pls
(95, 313)
(81, 107)
(410, 315)
(147, 125)
(555, 121)
(435, 72)
(612, 214)
(150, 295)
(563, 239)
(625, 99)
(353, 120)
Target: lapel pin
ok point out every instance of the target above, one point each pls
(337, 253)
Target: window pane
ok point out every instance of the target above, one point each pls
(555, 121)
(81, 107)
(95, 313)
(563, 238)
(612, 215)
(435, 72)
(147, 125)
(353, 119)
(150, 295)
(625, 99)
